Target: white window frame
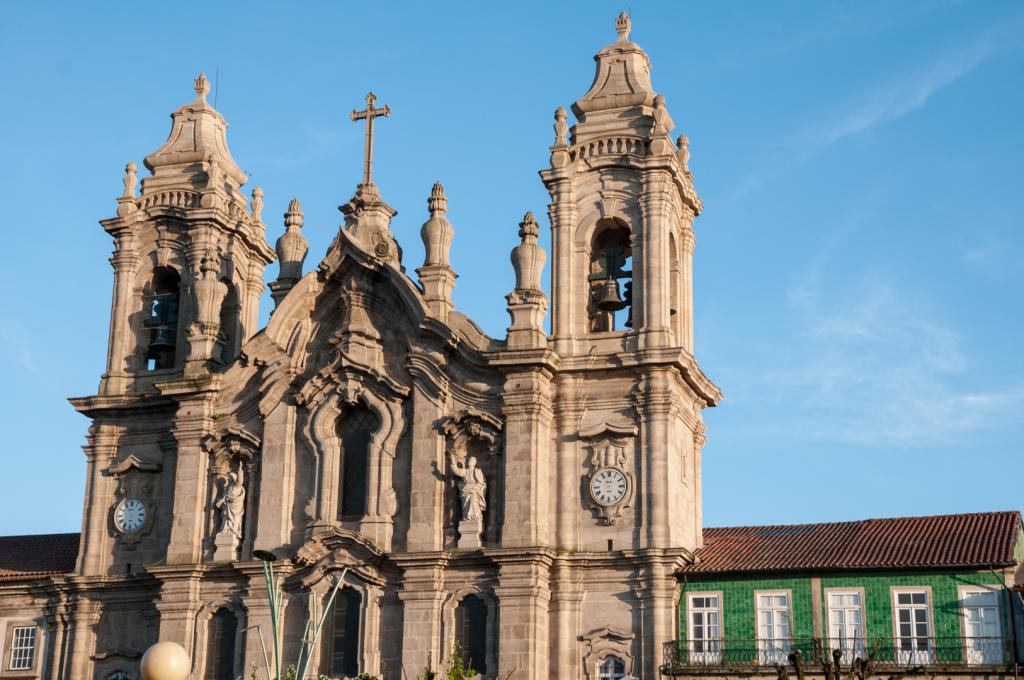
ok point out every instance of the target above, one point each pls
(711, 652)
(858, 648)
(914, 655)
(771, 652)
(991, 652)
(17, 663)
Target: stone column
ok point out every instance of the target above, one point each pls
(257, 609)
(688, 241)
(653, 400)
(426, 493)
(568, 410)
(566, 602)
(654, 272)
(529, 503)
(422, 595)
(100, 452)
(523, 596)
(121, 340)
(83, 617)
(564, 298)
(656, 598)
(277, 480)
(179, 605)
(193, 421)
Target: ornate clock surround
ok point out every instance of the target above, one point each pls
(610, 444)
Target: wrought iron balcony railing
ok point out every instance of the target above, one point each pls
(888, 652)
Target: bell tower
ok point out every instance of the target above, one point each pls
(188, 257)
(622, 210)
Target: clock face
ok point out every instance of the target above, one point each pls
(129, 515)
(608, 486)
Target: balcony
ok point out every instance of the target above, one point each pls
(716, 656)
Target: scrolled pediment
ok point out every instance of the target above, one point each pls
(615, 426)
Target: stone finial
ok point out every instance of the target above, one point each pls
(436, 276)
(257, 204)
(437, 201)
(202, 86)
(561, 129)
(527, 304)
(528, 257)
(129, 180)
(292, 246)
(210, 261)
(623, 26)
(683, 154)
(437, 231)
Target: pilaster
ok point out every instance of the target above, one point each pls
(524, 594)
(100, 453)
(422, 595)
(529, 502)
(193, 421)
(277, 479)
(121, 340)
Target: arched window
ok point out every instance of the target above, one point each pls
(220, 645)
(611, 668)
(611, 281)
(162, 322)
(356, 430)
(229, 311)
(344, 651)
(471, 633)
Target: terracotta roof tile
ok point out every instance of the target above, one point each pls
(26, 558)
(972, 540)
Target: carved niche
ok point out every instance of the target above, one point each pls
(609, 485)
(467, 432)
(134, 494)
(232, 451)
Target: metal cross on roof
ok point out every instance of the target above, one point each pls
(369, 113)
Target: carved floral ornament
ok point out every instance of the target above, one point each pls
(610, 485)
(468, 425)
(231, 449)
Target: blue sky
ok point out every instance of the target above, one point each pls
(859, 268)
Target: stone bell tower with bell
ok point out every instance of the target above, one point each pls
(629, 390)
(188, 260)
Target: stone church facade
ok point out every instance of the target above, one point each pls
(530, 497)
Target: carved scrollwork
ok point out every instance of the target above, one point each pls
(609, 485)
(135, 480)
(468, 425)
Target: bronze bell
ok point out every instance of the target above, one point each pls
(163, 325)
(607, 298)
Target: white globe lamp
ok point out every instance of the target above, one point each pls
(165, 661)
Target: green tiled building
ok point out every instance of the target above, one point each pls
(937, 592)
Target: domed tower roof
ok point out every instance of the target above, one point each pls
(198, 136)
(623, 76)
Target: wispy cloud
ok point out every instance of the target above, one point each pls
(876, 367)
(897, 98)
(17, 343)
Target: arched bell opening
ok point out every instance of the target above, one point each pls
(162, 321)
(610, 279)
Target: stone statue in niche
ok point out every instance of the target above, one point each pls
(231, 504)
(473, 493)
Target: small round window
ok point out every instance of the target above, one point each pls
(611, 668)
(119, 675)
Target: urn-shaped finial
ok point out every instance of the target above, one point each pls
(256, 205)
(561, 129)
(528, 257)
(202, 86)
(292, 246)
(623, 26)
(437, 231)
